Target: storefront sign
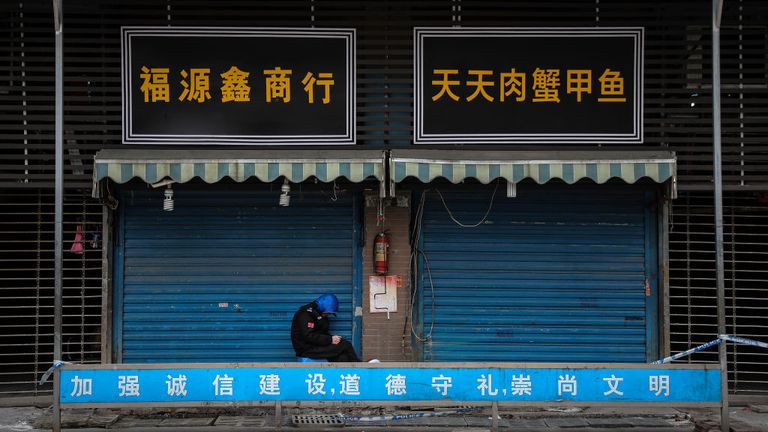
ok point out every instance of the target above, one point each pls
(235, 85)
(541, 384)
(495, 85)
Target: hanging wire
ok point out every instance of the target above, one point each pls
(110, 201)
(671, 208)
(380, 215)
(334, 189)
(461, 224)
(416, 251)
(432, 306)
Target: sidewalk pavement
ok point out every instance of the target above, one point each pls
(743, 419)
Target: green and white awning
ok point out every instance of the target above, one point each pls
(122, 165)
(541, 167)
(211, 166)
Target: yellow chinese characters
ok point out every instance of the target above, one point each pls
(611, 84)
(480, 85)
(278, 84)
(198, 87)
(545, 85)
(512, 83)
(195, 85)
(234, 86)
(445, 83)
(579, 81)
(324, 79)
(155, 85)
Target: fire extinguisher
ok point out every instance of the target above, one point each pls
(380, 253)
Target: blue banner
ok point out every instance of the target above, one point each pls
(390, 384)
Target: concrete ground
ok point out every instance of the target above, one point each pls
(743, 419)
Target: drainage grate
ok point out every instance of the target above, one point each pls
(315, 420)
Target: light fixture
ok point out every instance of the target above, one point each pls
(285, 199)
(168, 201)
(511, 189)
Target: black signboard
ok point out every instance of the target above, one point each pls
(238, 85)
(528, 85)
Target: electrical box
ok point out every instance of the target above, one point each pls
(383, 293)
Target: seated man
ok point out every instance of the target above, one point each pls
(310, 332)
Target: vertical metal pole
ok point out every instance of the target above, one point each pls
(279, 415)
(56, 421)
(495, 416)
(106, 284)
(717, 10)
(725, 416)
(58, 199)
(664, 221)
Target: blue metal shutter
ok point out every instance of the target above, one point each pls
(220, 278)
(556, 274)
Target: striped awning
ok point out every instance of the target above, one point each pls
(239, 165)
(541, 167)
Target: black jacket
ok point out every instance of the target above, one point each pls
(309, 329)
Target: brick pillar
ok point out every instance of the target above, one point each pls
(382, 337)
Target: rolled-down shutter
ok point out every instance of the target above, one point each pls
(555, 274)
(219, 278)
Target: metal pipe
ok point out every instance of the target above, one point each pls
(717, 10)
(58, 200)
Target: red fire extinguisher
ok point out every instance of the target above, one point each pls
(380, 253)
